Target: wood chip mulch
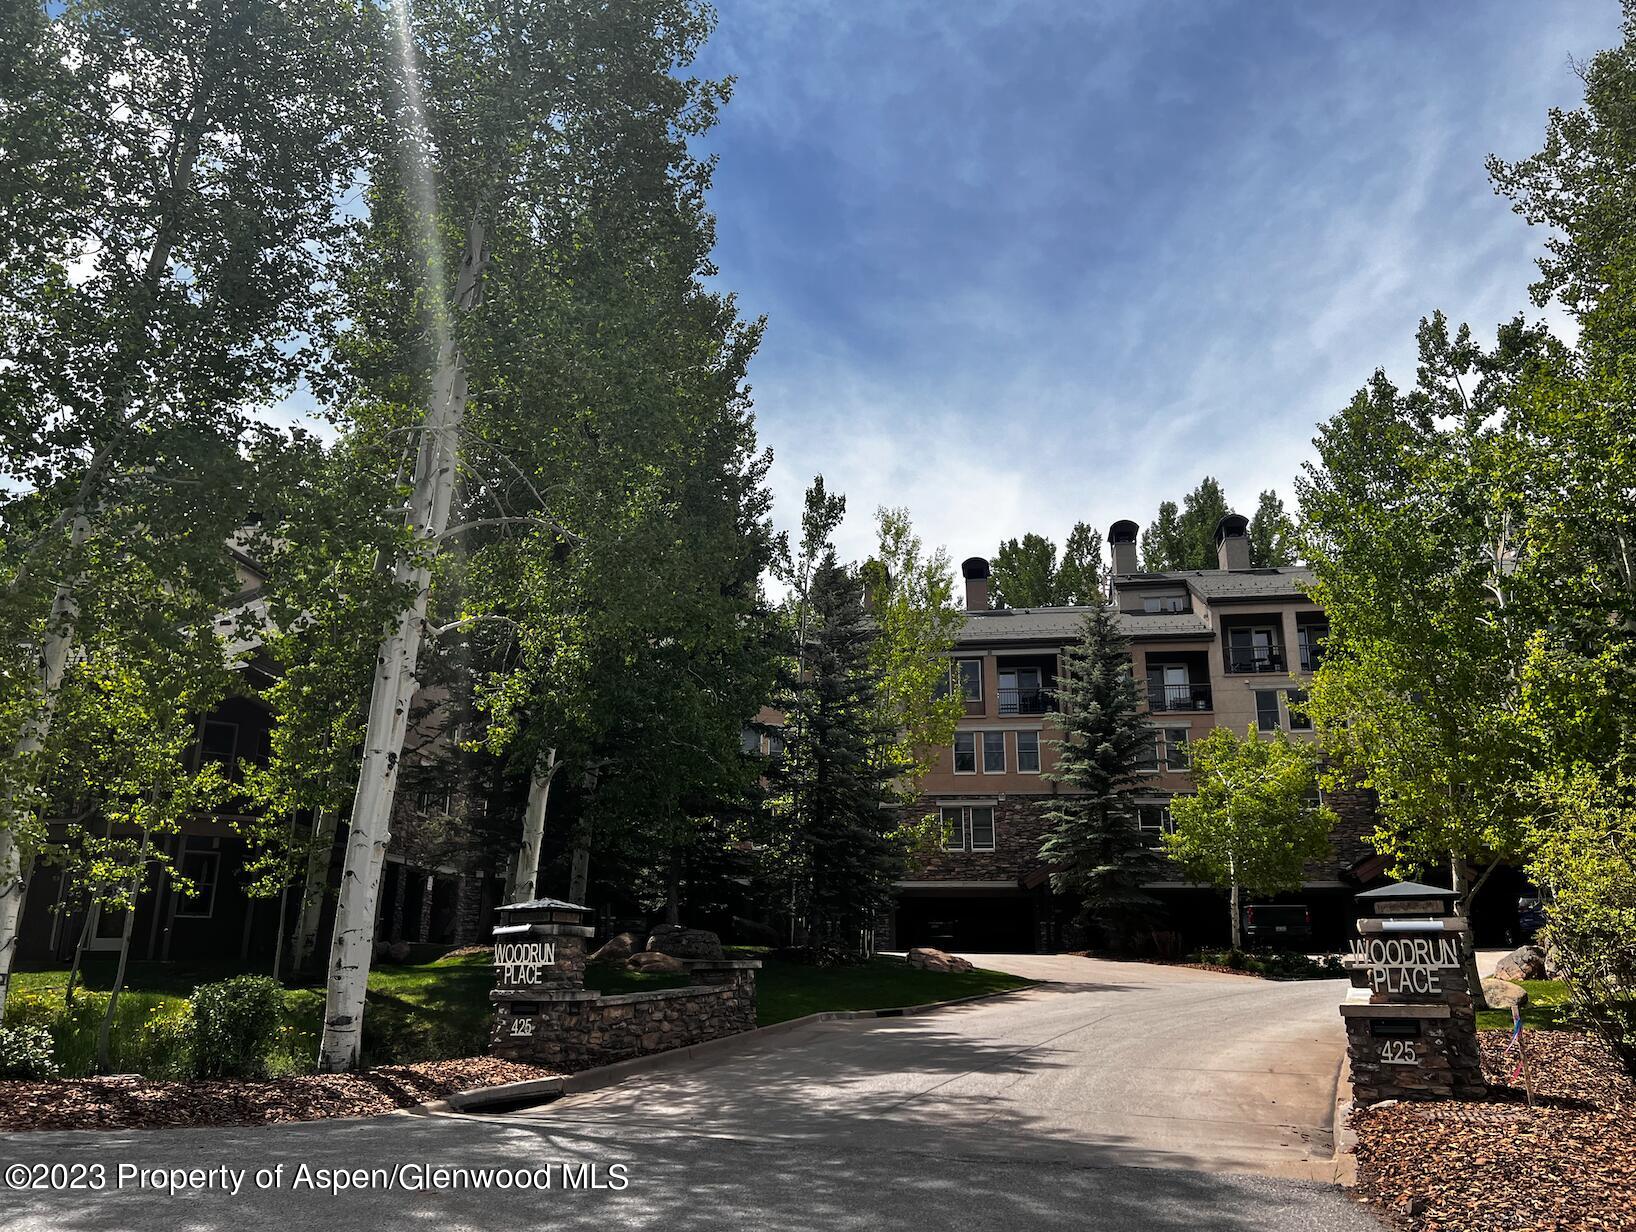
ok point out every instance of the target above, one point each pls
(128, 1102)
(1477, 1166)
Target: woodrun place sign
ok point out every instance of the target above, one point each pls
(1407, 964)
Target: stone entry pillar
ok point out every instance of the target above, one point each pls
(1411, 1025)
(539, 965)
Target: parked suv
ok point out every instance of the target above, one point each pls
(1276, 922)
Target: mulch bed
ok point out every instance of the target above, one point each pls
(1476, 1166)
(125, 1102)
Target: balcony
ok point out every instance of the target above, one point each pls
(1312, 658)
(1255, 658)
(1174, 697)
(1026, 701)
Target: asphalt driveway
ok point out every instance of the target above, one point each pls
(1123, 1096)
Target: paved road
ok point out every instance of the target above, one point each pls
(1122, 1097)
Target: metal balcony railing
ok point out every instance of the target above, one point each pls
(1162, 697)
(1311, 657)
(1026, 701)
(1255, 658)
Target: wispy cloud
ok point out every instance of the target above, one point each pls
(1031, 263)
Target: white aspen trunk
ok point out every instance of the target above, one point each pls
(61, 626)
(16, 860)
(1238, 919)
(579, 877)
(105, 1034)
(319, 854)
(432, 494)
(527, 867)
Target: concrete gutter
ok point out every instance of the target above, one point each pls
(1344, 1162)
(510, 1096)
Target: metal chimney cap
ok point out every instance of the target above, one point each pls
(974, 567)
(1123, 531)
(1232, 526)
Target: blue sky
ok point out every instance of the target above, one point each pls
(1026, 263)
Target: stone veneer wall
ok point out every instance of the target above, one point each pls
(1019, 827)
(578, 1031)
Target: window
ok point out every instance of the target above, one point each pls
(1020, 691)
(1164, 603)
(775, 745)
(968, 828)
(1254, 650)
(1299, 720)
(1309, 639)
(969, 673)
(982, 828)
(199, 867)
(965, 752)
(1147, 756)
(218, 742)
(749, 740)
(1175, 739)
(431, 800)
(1154, 819)
(994, 752)
(1028, 752)
(1266, 709)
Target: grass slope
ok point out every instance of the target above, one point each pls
(430, 1011)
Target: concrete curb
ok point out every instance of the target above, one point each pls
(1344, 1162)
(510, 1096)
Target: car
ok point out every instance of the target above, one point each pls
(1530, 918)
(1277, 922)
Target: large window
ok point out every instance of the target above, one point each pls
(1164, 603)
(1254, 650)
(1154, 819)
(201, 868)
(218, 742)
(968, 827)
(1148, 753)
(1299, 720)
(968, 676)
(1028, 752)
(994, 752)
(1266, 709)
(965, 752)
(1175, 744)
(981, 825)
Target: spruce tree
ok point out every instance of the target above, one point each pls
(841, 837)
(1095, 846)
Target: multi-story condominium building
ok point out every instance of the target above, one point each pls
(1230, 645)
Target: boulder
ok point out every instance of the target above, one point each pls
(651, 962)
(928, 959)
(1503, 994)
(616, 949)
(681, 942)
(1526, 962)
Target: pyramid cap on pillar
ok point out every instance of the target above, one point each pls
(1409, 889)
(543, 904)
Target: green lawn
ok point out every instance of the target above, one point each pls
(426, 1011)
(791, 990)
(1548, 1009)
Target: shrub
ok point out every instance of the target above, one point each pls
(25, 1052)
(1275, 964)
(162, 1046)
(235, 1026)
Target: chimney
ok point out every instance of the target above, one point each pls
(975, 571)
(1122, 542)
(1233, 541)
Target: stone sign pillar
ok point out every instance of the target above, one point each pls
(1411, 1026)
(539, 967)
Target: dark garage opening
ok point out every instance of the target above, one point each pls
(994, 924)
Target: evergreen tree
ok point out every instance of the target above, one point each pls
(1095, 847)
(1272, 533)
(844, 845)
